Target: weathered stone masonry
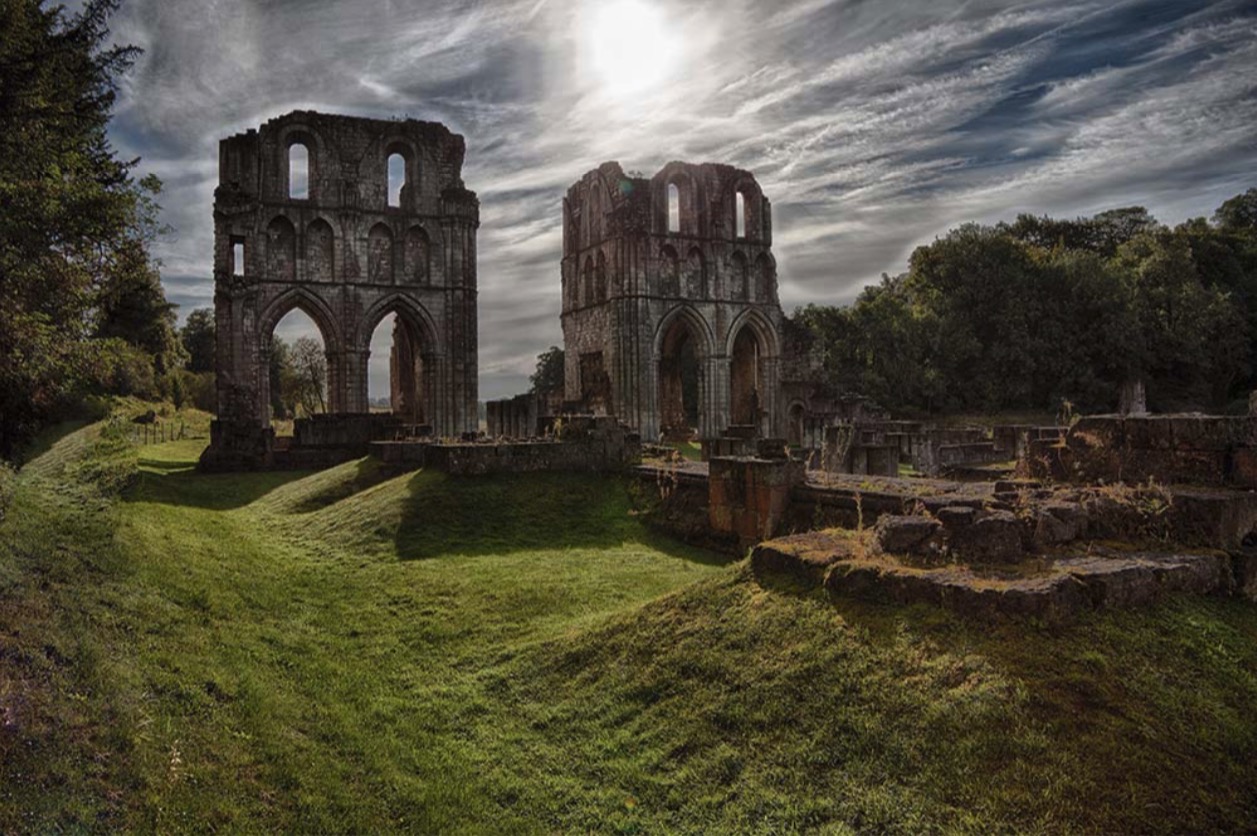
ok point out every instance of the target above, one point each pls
(645, 281)
(344, 256)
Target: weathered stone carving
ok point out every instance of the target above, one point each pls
(339, 252)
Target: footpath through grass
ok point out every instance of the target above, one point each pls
(342, 651)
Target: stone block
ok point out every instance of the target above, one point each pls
(992, 538)
(1059, 522)
(956, 516)
(1243, 472)
(897, 534)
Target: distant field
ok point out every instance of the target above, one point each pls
(345, 652)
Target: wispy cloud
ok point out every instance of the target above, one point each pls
(873, 127)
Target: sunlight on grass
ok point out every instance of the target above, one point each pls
(352, 650)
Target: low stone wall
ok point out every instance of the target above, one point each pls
(318, 442)
(677, 503)
(1052, 588)
(587, 445)
(1188, 449)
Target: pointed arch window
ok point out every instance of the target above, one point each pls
(674, 208)
(396, 179)
(298, 171)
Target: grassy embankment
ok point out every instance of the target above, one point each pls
(341, 651)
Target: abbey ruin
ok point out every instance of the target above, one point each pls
(670, 314)
(674, 333)
(303, 220)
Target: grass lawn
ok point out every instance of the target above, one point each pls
(343, 651)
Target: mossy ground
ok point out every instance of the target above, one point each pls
(345, 651)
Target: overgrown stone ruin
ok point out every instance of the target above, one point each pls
(673, 332)
(303, 219)
(1097, 529)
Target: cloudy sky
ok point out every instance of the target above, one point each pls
(872, 126)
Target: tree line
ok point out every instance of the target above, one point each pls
(1028, 315)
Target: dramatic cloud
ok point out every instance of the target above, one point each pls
(872, 126)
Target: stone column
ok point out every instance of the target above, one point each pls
(1132, 399)
(355, 381)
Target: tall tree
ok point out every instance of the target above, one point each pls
(199, 340)
(69, 209)
(309, 365)
(549, 374)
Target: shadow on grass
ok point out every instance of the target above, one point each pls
(367, 473)
(174, 483)
(471, 516)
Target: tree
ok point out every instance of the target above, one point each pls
(309, 365)
(549, 375)
(199, 340)
(70, 208)
(1239, 214)
(131, 306)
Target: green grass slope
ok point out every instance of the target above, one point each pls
(345, 651)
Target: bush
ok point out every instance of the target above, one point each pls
(201, 390)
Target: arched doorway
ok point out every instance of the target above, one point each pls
(680, 382)
(794, 425)
(295, 371)
(395, 372)
(747, 384)
(401, 366)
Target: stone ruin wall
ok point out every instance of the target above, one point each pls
(346, 258)
(627, 280)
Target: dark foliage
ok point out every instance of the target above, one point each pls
(80, 304)
(1027, 315)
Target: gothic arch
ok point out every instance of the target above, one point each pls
(309, 303)
(682, 374)
(413, 170)
(321, 164)
(694, 320)
(669, 272)
(407, 309)
(740, 279)
(695, 275)
(320, 251)
(600, 278)
(380, 260)
(754, 319)
(692, 200)
(281, 249)
(752, 209)
(417, 256)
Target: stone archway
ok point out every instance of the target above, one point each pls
(746, 379)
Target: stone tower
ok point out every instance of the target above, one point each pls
(670, 313)
(304, 219)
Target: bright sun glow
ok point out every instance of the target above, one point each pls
(630, 45)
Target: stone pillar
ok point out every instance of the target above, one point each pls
(750, 497)
(1133, 400)
(354, 386)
